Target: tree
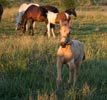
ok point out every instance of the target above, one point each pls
(5, 3)
(68, 3)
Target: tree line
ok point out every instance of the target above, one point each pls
(63, 3)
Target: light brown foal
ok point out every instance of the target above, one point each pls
(70, 52)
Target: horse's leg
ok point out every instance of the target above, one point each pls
(52, 26)
(23, 26)
(71, 70)
(31, 26)
(34, 23)
(77, 68)
(48, 29)
(59, 69)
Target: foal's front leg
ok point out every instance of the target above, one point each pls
(59, 69)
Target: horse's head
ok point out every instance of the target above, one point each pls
(65, 31)
(71, 11)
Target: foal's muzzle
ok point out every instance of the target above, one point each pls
(63, 44)
(63, 41)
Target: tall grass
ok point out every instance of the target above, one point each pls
(28, 64)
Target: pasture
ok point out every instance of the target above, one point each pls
(28, 64)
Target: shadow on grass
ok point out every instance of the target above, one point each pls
(37, 81)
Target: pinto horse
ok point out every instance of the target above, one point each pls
(70, 52)
(54, 18)
(1, 11)
(33, 13)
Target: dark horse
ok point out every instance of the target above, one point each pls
(1, 11)
(33, 13)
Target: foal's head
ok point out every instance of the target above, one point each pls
(65, 31)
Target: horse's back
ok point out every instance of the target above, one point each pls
(51, 8)
(25, 6)
(37, 10)
(37, 13)
(22, 7)
(61, 16)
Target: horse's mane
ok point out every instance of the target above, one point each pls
(51, 8)
(44, 11)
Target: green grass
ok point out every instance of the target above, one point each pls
(28, 64)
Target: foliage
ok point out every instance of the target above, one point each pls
(68, 3)
(5, 3)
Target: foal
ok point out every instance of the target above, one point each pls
(70, 52)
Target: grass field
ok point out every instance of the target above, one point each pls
(28, 64)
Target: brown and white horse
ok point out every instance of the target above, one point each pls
(70, 52)
(1, 11)
(54, 18)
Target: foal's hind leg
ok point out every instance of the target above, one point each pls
(31, 27)
(71, 71)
